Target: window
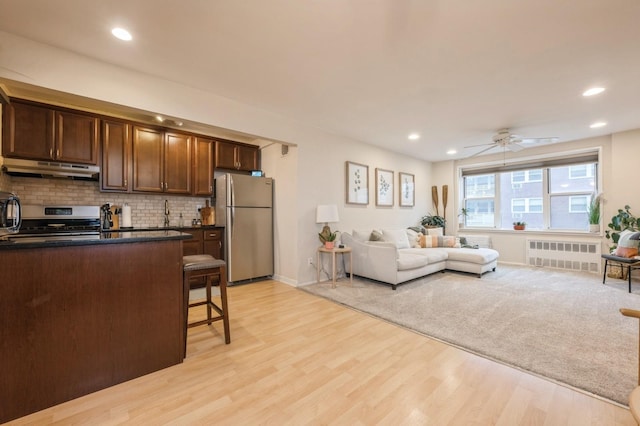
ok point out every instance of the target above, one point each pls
(553, 196)
(578, 204)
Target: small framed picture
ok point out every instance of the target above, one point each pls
(384, 187)
(407, 189)
(357, 183)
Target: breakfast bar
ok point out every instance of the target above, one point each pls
(80, 316)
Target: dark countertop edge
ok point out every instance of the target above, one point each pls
(170, 228)
(109, 237)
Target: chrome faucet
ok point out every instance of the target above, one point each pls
(166, 213)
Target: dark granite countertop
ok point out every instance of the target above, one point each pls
(109, 237)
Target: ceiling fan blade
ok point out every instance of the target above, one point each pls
(484, 150)
(514, 147)
(482, 144)
(539, 140)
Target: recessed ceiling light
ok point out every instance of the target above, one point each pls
(452, 151)
(414, 136)
(122, 34)
(598, 124)
(593, 91)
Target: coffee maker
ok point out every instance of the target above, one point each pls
(107, 218)
(10, 213)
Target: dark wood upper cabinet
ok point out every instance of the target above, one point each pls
(116, 156)
(39, 132)
(161, 161)
(148, 159)
(177, 163)
(235, 156)
(76, 138)
(203, 167)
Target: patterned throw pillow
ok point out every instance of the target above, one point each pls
(427, 241)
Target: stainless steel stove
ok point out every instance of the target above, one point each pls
(48, 223)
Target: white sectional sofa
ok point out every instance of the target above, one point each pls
(393, 259)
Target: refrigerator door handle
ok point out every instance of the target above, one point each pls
(230, 229)
(230, 195)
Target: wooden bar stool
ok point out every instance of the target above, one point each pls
(208, 267)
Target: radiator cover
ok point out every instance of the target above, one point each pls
(578, 255)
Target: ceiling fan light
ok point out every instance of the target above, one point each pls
(593, 91)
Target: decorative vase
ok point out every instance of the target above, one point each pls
(518, 227)
(594, 228)
(328, 245)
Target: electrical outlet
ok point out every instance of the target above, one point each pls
(310, 261)
(198, 207)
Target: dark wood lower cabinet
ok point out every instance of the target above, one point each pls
(74, 320)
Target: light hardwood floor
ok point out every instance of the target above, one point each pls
(298, 359)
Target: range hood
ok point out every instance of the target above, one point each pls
(35, 168)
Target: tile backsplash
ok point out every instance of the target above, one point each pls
(146, 210)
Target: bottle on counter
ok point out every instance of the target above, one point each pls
(180, 221)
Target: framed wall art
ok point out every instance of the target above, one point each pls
(384, 187)
(407, 189)
(357, 183)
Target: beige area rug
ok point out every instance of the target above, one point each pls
(564, 326)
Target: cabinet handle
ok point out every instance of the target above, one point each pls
(50, 152)
(213, 235)
(210, 188)
(125, 182)
(58, 153)
(219, 244)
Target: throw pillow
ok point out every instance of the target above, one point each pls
(360, 235)
(626, 251)
(435, 231)
(427, 241)
(376, 236)
(396, 236)
(414, 238)
(625, 239)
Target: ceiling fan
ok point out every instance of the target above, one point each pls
(508, 141)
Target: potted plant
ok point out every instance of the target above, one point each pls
(621, 221)
(593, 213)
(462, 217)
(328, 239)
(519, 225)
(432, 221)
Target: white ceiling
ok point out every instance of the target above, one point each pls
(454, 71)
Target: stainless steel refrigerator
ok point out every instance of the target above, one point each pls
(244, 206)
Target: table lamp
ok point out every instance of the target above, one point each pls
(326, 213)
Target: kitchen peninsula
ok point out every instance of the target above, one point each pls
(80, 316)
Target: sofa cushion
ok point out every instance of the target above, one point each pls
(478, 256)
(397, 237)
(433, 255)
(408, 261)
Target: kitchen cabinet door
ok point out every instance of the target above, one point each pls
(36, 132)
(225, 155)
(116, 156)
(213, 245)
(28, 131)
(247, 158)
(203, 167)
(194, 245)
(76, 138)
(236, 156)
(177, 163)
(148, 160)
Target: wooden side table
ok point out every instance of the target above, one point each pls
(333, 252)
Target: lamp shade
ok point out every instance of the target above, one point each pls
(326, 213)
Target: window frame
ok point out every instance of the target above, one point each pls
(588, 159)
